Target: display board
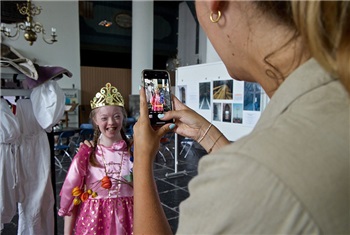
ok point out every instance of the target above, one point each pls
(232, 106)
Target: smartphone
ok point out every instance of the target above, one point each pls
(158, 94)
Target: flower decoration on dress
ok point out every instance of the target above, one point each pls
(80, 196)
(84, 196)
(76, 191)
(76, 201)
(106, 182)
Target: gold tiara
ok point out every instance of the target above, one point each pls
(108, 95)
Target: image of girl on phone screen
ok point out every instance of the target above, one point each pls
(157, 100)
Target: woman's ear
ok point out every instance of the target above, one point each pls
(216, 6)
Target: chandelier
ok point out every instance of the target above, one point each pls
(30, 27)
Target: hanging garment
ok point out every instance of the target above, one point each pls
(9, 134)
(12, 58)
(46, 73)
(36, 197)
(49, 100)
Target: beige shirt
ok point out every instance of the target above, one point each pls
(290, 175)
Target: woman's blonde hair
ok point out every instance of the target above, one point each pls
(325, 26)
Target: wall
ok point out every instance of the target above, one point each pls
(95, 78)
(62, 15)
(187, 53)
(187, 36)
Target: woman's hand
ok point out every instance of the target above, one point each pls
(192, 125)
(149, 217)
(89, 143)
(188, 123)
(146, 139)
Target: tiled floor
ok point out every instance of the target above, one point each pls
(172, 188)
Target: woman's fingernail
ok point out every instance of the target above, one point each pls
(140, 87)
(172, 126)
(160, 115)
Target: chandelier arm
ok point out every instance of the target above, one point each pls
(49, 41)
(52, 40)
(35, 10)
(7, 31)
(37, 27)
(23, 10)
(21, 26)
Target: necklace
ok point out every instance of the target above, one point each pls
(106, 181)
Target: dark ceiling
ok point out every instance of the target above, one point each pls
(111, 46)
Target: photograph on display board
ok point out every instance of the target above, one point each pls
(204, 95)
(237, 113)
(182, 94)
(217, 111)
(252, 96)
(238, 91)
(227, 112)
(222, 90)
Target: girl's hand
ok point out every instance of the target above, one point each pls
(89, 143)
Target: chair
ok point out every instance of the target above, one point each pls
(86, 126)
(61, 149)
(84, 134)
(129, 131)
(186, 143)
(164, 142)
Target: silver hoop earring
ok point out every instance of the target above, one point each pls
(217, 18)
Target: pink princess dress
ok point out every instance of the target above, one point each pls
(106, 207)
(157, 102)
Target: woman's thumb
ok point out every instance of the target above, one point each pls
(165, 129)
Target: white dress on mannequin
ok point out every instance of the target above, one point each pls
(44, 109)
(9, 134)
(36, 197)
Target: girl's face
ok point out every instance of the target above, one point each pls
(109, 119)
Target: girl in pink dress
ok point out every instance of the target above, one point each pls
(97, 194)
(157, 100)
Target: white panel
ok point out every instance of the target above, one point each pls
(190, 78)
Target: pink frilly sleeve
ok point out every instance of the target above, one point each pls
(75, 177)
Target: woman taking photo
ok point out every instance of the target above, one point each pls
(290, 175)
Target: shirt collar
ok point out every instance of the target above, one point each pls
(305, 78)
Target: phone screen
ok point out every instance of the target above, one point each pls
(158, 93)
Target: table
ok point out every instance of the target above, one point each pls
(59, 131)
